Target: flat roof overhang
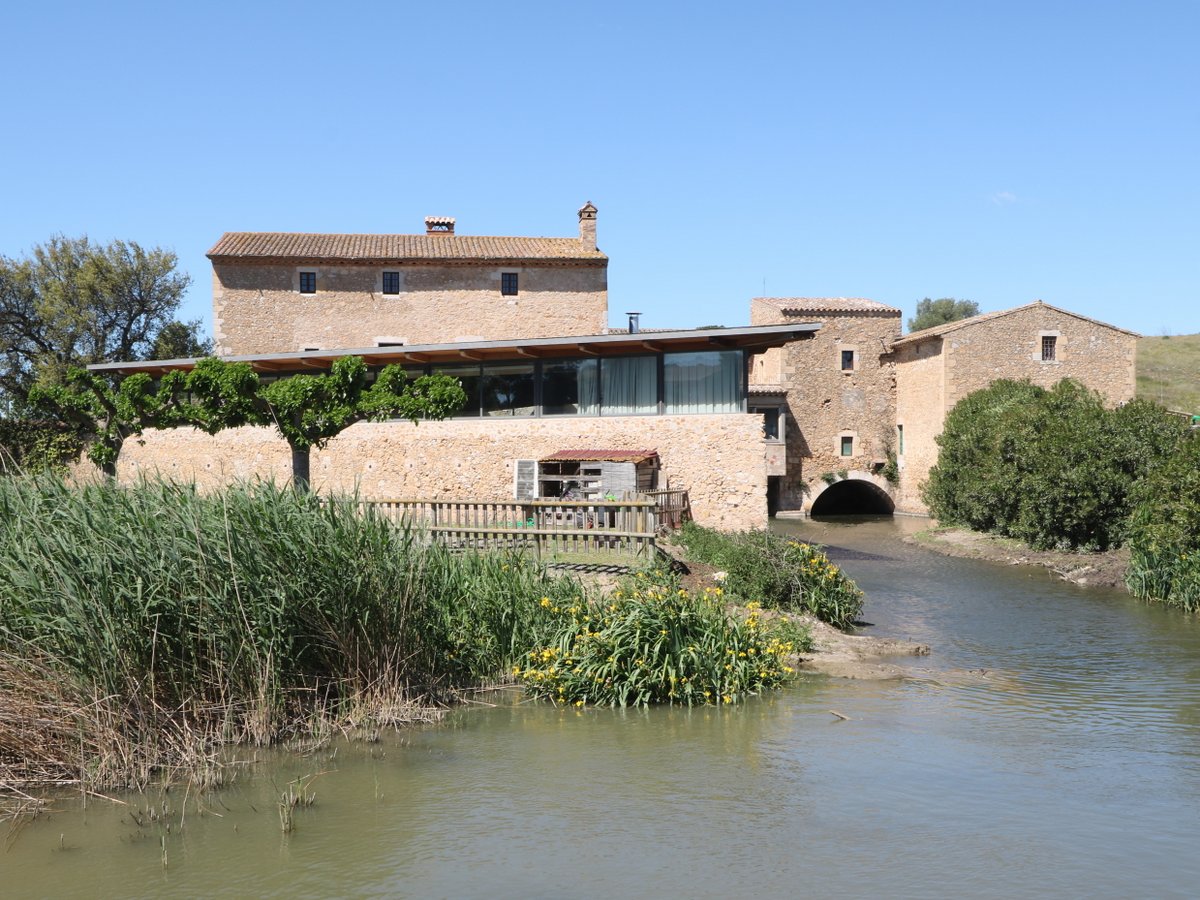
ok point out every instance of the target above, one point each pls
(754, 338)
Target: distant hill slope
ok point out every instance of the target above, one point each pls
(1168, 370)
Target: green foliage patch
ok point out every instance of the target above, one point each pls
(776, 572)
(1164, 542)
(1053, 468)
(654, 642)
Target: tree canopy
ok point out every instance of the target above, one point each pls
(931, 313)
(307, 410)
(71, 302)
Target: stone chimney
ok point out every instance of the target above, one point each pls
(587, 226)
(439, 225)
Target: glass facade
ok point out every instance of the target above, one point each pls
(670, 383)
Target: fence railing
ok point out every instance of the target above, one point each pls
(674, 507)
(626, 527)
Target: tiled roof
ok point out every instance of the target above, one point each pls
(766, 389)
(939, 330)
(828, 304)
(395, 247)
(633, 456)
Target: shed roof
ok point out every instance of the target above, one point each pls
(633, 456)
(252, 246)
(939, 330)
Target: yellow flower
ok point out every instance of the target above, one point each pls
(579, 703)
(727, 698)
(545, 601)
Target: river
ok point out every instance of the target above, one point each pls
(1049, 746)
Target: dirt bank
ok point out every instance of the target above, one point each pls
(1105, 569)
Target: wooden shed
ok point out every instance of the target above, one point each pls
(597, 474)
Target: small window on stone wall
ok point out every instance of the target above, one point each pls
(308, 282)
(847, 445)
(1049, 348)
(508, 284)
(847, 360)
(391, 282)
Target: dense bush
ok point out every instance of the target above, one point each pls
(777, 572)
(1164, 543)
(34, 445)
(654, 642)
(1052, 468)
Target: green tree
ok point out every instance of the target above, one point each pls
(180, 340)
(931, 313)
(307, 410)
(72, 303)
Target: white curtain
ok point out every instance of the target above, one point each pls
(630, 385)
(709, 382)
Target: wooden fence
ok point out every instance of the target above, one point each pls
(626, 527)
(674, 507)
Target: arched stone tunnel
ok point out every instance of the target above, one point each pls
(856, 495)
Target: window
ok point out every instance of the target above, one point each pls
(308, 282)
(704, 382)
(771, 420)
(391, 282)
(847, 360)
(847, 445)
(508, 389)
(1049, 345)
(469, 378)
(508, 284)
(571, 387)
(629, 385)
(900, 440)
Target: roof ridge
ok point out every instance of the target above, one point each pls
(947, 327)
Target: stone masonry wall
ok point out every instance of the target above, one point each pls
(718, 458)
(921, 409)
(825, 403)
(259, 308)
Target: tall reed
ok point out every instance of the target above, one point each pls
(235, 615)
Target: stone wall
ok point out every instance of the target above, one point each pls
(824, 402)
(258, 308)
(718, 458)
(921, 409)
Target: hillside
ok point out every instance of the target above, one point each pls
(1168, 370)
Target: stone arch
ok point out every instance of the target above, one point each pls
(858, 493)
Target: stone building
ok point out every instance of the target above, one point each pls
(819, 405)
(937, 367)
(275, 292)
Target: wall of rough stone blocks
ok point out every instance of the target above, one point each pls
(825, 402)
(921, 409)
(971, 358)
(718, 458)
(259, 308)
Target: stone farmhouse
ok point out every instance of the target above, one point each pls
(819, 405)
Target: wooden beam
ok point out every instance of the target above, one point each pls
(652, 345)
(474, 357)
(521, 351)
(586, 351)
(722, 341)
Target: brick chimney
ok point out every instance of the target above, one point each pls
(439, 225)
(587, 226)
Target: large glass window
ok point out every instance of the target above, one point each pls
(629, 386)
(706, 382)
(468, 377)
(508, 389)
(571, 387)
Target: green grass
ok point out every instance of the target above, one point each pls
(1168, 371)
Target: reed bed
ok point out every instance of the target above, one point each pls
(145, 628)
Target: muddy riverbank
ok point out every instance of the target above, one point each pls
(1105, 569)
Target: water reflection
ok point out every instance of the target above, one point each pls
(1049, 745)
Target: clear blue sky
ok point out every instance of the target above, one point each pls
(998, 152)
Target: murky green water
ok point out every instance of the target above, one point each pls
(1069, 767)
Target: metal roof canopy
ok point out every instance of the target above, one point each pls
(754, 338)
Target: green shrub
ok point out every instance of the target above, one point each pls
(777, 572)
(34, 445)
(1052, 468)
(1164, 544)
(653, 642)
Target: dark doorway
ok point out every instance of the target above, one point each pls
(773, 494)
(853, 497)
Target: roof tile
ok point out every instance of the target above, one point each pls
(395, 247)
